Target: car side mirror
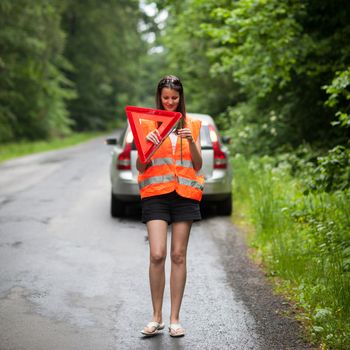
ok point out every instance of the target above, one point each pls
(111, 141)
(226, 140)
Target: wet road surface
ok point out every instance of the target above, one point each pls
(71, 277)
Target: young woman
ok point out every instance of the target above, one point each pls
(170, 191)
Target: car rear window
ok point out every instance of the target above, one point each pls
(122, 137)
(205, 137)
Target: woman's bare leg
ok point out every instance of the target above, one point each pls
(179, 242)
(157, 237)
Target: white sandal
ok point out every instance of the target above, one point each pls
(157, 327)
(176, 330)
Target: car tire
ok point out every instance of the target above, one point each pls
(117, 207)
(225, 207)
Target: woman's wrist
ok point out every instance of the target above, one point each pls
(141, 167)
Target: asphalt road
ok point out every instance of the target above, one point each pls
(71, 277)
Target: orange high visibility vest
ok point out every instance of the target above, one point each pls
(166, 173)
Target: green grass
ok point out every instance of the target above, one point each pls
(22, 148)
(304, 243)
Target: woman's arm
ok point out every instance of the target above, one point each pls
(153, 136)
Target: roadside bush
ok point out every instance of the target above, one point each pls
(333, 171)
(303, 238)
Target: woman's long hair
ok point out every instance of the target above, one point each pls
(174, 83)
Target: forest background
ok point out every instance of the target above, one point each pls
(275, 76)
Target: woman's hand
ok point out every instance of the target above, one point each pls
(186, 133)
(154, 136)
(195, 147)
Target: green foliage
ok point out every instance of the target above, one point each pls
(185, 55)
(262, 58)
(304, 239)
(105, 47)
(33, 89)
(252, 131)
(333, 171)
(339, 96)
(67, 64)
(259, 42)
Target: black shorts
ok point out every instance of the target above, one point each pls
(170, 207)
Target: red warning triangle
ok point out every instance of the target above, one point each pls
(135, 116)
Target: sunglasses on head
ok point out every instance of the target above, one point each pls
(166, 81)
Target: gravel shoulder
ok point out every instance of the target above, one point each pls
(272, 313)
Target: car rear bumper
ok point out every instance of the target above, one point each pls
(220, 183)
(125, 186)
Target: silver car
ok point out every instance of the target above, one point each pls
(216, 169)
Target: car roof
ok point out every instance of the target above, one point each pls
(203, 117)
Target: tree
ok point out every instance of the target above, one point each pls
(185, 51)
(33, 90)
(272, 59)
(105, 46)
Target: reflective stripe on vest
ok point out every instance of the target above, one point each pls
(189, 182)
(169, 161)
(156, 180)
(167, 178)
(162, 161)
(185, 163)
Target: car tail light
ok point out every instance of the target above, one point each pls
(220, 157)
(124, 158)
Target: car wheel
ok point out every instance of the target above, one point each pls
(225, 207)
(117, 207)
